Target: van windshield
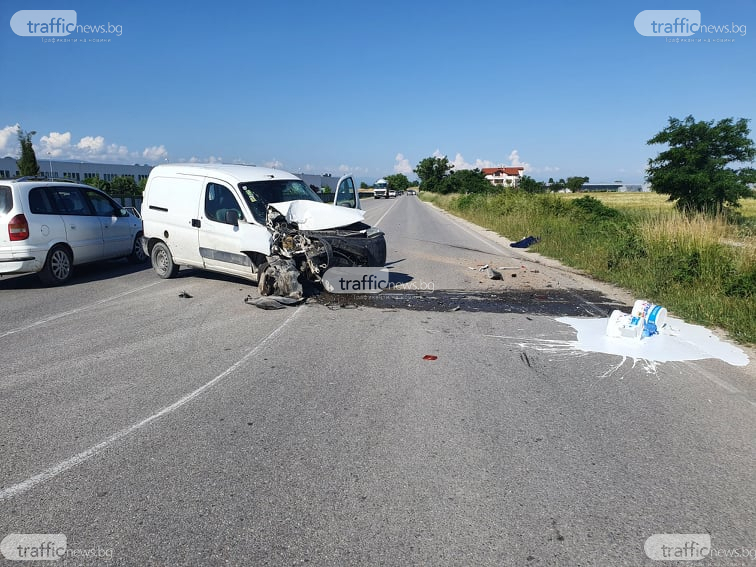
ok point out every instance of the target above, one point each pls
(259, 194)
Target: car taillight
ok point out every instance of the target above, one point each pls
(18, 228)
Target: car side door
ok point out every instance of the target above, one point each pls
(118, 232)
(83, 228)
(219, 238)
(346, 193)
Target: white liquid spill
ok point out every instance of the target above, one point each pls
(677, 341)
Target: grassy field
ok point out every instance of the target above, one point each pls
(702, 269)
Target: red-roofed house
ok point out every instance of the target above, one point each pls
(509, 175)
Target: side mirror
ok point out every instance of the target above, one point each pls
(232, 217)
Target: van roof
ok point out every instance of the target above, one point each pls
(230, 173)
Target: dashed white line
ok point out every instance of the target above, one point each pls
(63, 466)
(74, 311)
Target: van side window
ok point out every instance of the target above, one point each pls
(218, 201)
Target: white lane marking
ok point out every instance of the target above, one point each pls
(74, 311)
(63, 466)
(378, 222)
(453, 220)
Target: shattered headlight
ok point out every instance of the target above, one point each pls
(372, 231)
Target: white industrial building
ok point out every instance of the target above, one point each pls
(77, 170)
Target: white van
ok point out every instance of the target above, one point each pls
(263, 224)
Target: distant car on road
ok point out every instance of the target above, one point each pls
(391, 193)
(48, 227)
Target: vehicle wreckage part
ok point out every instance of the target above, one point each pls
(280, 276)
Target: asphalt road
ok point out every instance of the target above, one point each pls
(152, 429)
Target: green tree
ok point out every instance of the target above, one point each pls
(574, 184)
(123, 185)
(397, 182)
(556, 186)
(364, 185)
(465, 181)
(95, 182)
(694, 171)
(27, 163)
(432, 171)
(529, 185)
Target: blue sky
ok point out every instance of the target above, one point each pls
(371, 88)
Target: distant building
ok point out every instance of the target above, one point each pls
(77, 170)
(615, 187)
(509, 176)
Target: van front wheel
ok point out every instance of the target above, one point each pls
(162, 261)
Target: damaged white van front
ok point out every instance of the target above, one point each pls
(263, 224)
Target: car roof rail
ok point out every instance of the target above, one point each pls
(43, 178)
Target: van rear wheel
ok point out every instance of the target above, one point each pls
(162, 261)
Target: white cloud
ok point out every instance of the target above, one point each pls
(195, 159)
(91, 144)
(155, 153)
(56, 144)
(274, 163)
(402, 165)
(460, 163)
(514, 160)
(9, 145)
(89, 148)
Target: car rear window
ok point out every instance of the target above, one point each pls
(6, 199)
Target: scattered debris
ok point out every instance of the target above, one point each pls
(270, 302)
(184, 295)
(280, 275)
(492, 274)
(645, 321)
(430, 357)
(526, 242)
(514, 275)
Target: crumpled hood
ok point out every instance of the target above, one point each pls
(310, 215)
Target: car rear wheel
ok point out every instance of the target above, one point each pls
(162, 261)
(58, 266)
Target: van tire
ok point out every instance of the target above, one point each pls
(162, 261)
(58, 266)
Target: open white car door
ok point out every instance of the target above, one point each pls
(347, 194)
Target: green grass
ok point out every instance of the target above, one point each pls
(702, 269)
